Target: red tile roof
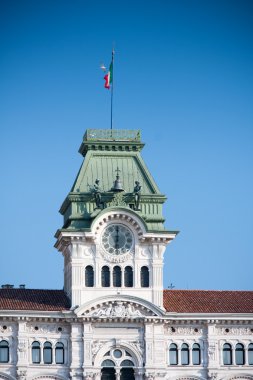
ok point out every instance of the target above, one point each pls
(33, 299)
(208, 301)
(175, 301)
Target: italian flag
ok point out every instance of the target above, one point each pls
(108, 77)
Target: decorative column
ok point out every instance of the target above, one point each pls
(117, 373)
(157, 273)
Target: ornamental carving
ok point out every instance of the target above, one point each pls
(118, 309)
(22, 345)
(138, 346)
(96, 347)
(44, 329)
(5, 329)
(116, 259)
(153, 376)
(185, 331)
(118, 200)
(213, 376)
(235, 331)
(89, 376)
(211, 351)
(149, 376)
(21, 374)
(145, 251)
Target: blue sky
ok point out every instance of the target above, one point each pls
(183, 75)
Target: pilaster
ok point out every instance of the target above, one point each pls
(76, 351)
(212, 346)
(22, 351)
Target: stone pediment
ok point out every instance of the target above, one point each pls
(118, 309)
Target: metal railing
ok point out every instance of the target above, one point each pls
(112, 135)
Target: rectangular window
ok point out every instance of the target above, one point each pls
(173, 357)
(59, 356)
(227, 357)
(4, 355)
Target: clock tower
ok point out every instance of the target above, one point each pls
(113, 238)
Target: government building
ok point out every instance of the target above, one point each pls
(113, 320)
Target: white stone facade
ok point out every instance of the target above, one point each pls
(131, 320)
(143, 337)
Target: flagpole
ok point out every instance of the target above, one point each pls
(112, 89)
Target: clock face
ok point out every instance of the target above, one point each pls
(117, 239)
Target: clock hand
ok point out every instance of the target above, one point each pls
(117, 239)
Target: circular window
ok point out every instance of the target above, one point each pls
(117, 354)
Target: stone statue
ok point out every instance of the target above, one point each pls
(97, 193)
(137, 195)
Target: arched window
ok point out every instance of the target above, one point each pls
(47, 353)
(128, 277)
(4, 351)
(117, 277)
(227, 354)
(105, 276)
(36, 352)
(173, 354)
(144, 277)
(59, 353)
(239, 354)
(89, 276)
(127, 363)
(108, 363)
(250, 354)
(185, 354)
(196, 354)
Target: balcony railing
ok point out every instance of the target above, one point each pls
(112, 135)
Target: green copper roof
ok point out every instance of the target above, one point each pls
(103, 166)
(106, 154)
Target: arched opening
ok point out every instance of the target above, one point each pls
(4, 351)
(36, 352)
(127, 374)
(47, 353)
(239, 354)
(196, 354)
(117, 276)
(227, 354)
(105, 276)
(108, 371)
(59, 353)
(118, 364)
(128, 277)
(144, 277)
(250, 354)
(173, 354)
(127, 371)
(185, 354)
(89, 276)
